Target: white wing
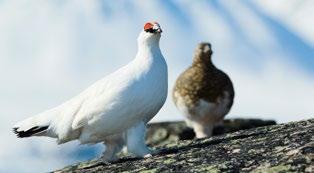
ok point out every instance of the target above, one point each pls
(101, 97)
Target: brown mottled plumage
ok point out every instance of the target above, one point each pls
(203, 93)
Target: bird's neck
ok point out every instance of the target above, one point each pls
(148, 50)
(208, 65)
(147, 55)
(148, 45)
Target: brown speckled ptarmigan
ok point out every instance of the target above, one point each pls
(203, 93)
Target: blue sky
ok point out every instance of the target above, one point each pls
(52, 50)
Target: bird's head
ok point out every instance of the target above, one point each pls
(203, 53)
(151, 33)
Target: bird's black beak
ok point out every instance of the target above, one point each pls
(158, 30)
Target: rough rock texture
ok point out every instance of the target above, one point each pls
(277, 148)
(169, 132)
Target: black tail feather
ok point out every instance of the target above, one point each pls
(30, 132)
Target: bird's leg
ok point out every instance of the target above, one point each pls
(219, 123)
(203, 130)
(219, 127)
(136, 141)
(114, 145)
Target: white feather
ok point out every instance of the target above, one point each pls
(119, 101)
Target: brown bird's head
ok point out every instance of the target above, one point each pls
(203, 53)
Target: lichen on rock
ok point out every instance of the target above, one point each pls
(276, 148)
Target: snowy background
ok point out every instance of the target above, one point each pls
(50, 50)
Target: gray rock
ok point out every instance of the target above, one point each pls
(276, 148)
(169, 132)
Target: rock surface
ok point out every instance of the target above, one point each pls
(169, 132)
(276, 148)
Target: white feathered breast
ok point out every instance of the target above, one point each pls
(132, 94)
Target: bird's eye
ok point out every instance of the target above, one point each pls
(150, 30)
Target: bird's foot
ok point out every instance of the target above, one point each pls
(109, 158)
(147, 156)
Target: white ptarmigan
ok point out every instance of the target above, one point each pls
(115, 109)
(203, 93)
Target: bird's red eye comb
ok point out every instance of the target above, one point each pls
(148, 26)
